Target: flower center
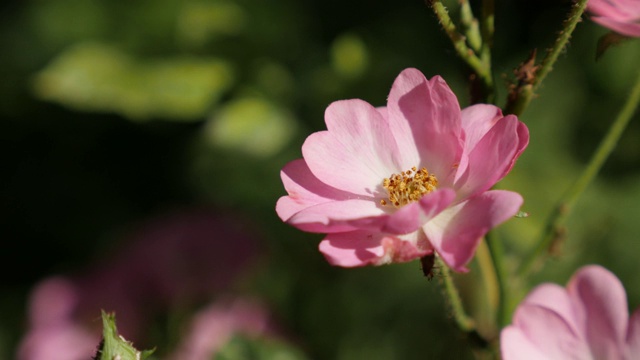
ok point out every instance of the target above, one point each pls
(408, 186)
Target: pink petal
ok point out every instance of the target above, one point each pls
(618, 10)
(555, 297)
(412, 216)
(602, 296)
(523, 141)
(477, 120)
(624, 28)
(424, 117)
(491, 158)
(621, 16)
(304, 190)
(63, 341)
(515, 345)
(53, 301)
(633, 336)
(360, 248)
(337, 216)
(456, 232)
(356, 153)
(546, 331)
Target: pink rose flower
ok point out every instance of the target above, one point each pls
(621, 16)
(587, 320)
(393, 184)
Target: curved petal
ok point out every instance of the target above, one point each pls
(424, 118)
(337, 216)
(412, 216)
(491, 158)
(602, 296)
(633, 336)
(555, 297)
(624, 28)
(523, 142)
(304, 190)
(616, 10)
(456, 232)
(548, 332)
(360, 248)
(356, 153)
(514, 345)
(477, 120)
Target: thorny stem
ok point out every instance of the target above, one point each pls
(470, 26)
(525, 92)
(488, 27)
(574, 18)
(555, 227)
(464, 322)
(481, 67)
(487, 30)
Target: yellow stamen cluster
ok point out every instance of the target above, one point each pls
(408, 186)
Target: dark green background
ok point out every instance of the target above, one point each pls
(77, 174)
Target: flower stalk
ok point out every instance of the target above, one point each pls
(554, 230)
(496, 251)
(522, 94)
(464, 321)
(481, 65)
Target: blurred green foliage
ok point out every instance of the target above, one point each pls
(96, 77)
(113, 112)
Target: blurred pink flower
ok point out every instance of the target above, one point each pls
(53, 334)
(586, 320)
(393, 184)
(214, 326)
(621, 16)
(173, 261)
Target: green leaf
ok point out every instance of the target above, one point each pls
(253, 126)
(349, 56)
(200, 21)
(114, 346)
(246, 347)
(100, 78)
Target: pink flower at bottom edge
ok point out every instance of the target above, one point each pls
(214, 326)
(586, 320)
(621, 16)
(397, 183)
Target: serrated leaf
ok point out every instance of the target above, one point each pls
(115, 346)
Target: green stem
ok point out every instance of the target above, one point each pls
(481, 68)
(470, 26)
(520, 101)
(464, 322)
(555, 226)
(497, 257)
(488, 27)
(561, 42)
